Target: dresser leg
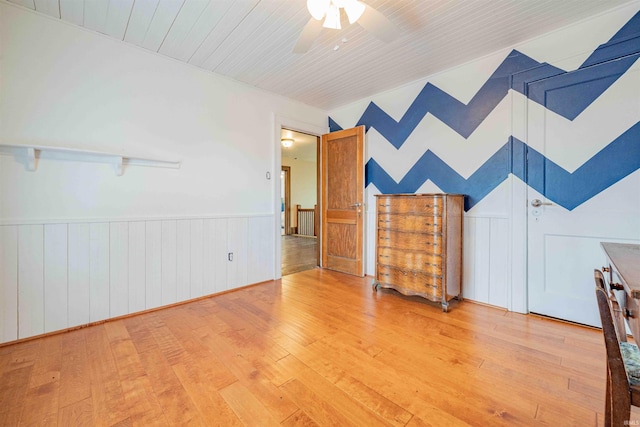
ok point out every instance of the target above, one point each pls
(375, 285)
(445, 306)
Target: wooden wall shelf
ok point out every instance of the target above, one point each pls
(34, 152)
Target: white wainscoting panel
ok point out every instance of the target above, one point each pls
(169, 263)
(99, 271)
(60, 275)
(78, 274)
(55, 277)
(260, 242)
(237, 271)
(486, 260)
(137, 266)
(118, 269)
(500, 259)
(209, 257)
(30, 280)
(219, 262)
(196, 262)
(183, 263)
(370, 242)
(8, 283)
(153, 262)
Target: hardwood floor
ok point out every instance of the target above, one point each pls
(317, 348)
(298, 254)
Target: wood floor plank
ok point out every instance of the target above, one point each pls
(347, 405)
(126, 358)
(74, 387)
(392, 413)
(19, 355)
(176, 405)
(315, 348)
(412, 386)
(76, 414)
(251, 376)
(318, 409)
(205, 396)
(140, 332)
(41, 405)
(169, 345)
(299, 419)
(15, 384)
(299, 253)
(107, 397)
(248, 335)
(41, 399)
(246, 406)
(142, 403)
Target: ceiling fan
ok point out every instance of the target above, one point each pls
(369, 18)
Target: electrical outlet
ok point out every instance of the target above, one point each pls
(230, 256)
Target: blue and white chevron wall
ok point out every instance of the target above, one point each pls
(476, 130)
(608, 64)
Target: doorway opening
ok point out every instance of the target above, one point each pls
(299, 205)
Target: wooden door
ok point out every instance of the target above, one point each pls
(342, 187)
(578, 195)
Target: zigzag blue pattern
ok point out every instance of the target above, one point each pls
(611, 164)
(516, 72)
(557, 184)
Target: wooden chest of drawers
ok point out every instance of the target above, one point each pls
(623, 266)
(419, 245)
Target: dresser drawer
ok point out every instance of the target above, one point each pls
(430, 243)
(419, 245)
(410, 260)
(403, 205)
(632, 314)
(410, 223)
(416, 282)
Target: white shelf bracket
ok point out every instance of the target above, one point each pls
(119, 166)
(31, 159)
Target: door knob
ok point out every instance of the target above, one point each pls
(356, 205)
(536, 203)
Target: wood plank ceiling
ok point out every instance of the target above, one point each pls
(252, 40)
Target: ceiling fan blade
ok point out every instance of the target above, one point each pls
(308, 36)
(378, 24)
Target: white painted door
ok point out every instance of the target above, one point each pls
(583, 183)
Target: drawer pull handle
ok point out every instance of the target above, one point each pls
(616, 286)
(629, 313)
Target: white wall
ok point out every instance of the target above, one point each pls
(303, 182)
(78, 242)
(495, 226)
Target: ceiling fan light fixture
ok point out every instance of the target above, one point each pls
(287, 142)
(354, 9)
(318, 8)
(333, 18)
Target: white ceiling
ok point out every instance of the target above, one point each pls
(252, 40)
(304, 146)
